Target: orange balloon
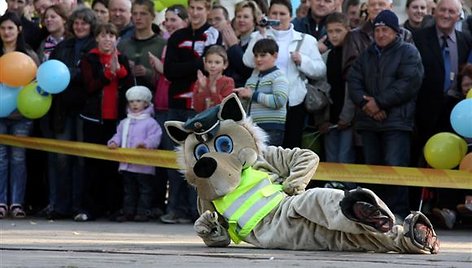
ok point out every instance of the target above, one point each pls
(466, 163)
(17, 69)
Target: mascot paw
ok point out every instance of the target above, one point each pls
(212, 233)
(206, 223)
(420, 230)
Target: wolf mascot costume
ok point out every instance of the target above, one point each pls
(251, 192)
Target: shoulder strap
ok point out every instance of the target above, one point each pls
(300, 43)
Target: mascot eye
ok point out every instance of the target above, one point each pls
(224, 144)
(200, 150)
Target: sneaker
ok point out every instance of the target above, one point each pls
(445, 217)
(81, 217)
(156, 213)
(17, 212)
(3, 211)
(367, 213)
(171, 218)
(120, 217)
(421, 232)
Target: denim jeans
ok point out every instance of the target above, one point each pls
(182, 199)
(138, 193)
(65, 172)
(13, 162)
(339, 146)
(389, 148)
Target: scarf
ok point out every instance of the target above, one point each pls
(127, 121)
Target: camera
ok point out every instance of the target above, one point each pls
(265, 22)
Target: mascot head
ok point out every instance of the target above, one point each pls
(216, 146)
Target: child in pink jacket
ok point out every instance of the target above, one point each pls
(138, 130)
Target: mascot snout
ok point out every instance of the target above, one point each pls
(217, 178)
(205, 167)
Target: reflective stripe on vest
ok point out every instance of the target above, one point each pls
(249, 203)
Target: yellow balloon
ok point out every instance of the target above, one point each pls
(17, 69)
(469, 94)
(445, 150)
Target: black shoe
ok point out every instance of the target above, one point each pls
(141, 218)
(54, 215)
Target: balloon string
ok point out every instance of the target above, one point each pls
(41, 91)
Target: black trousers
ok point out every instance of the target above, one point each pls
(294, 125)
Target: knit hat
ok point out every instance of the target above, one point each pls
(387, 18)
(139, 93)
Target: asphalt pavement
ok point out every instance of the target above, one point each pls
(37, 242)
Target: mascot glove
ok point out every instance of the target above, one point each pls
(212, 233)
(293, 190)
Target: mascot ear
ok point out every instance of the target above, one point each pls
(176, 131)
(231, 108)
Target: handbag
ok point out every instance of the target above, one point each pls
(317, 93)
(317, 96)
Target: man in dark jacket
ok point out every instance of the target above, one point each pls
(315, 21)
(383, 84)
(360, 38)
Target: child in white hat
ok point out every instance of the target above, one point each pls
(138, 130)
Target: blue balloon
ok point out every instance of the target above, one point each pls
(8, 96)
(461, 118)
(53, 76)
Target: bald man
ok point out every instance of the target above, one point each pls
(440, 90)
(435, 102)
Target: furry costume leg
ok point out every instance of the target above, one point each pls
(314, 221)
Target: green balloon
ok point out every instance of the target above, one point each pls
(33, 102)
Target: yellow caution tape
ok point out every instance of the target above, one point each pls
(421, 177)
(136, 156)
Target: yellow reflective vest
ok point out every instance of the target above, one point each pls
(249, 203)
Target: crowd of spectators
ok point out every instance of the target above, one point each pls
(392, 88)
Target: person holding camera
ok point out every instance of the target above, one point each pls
(297, 58)
(246, 17)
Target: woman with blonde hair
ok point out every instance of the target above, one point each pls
(247, 15)
(298, 58)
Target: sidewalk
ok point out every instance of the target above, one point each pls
(40, 243)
